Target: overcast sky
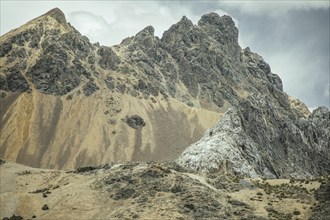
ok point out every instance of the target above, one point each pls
(292, 36)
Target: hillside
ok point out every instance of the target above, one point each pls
(155, 191)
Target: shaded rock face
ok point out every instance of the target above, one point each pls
(257, 140)
(108, 58)
(14, 82)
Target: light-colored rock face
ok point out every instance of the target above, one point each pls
(263, 142)
(299, 106)
(222, 149)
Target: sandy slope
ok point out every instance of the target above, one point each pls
(90, 130)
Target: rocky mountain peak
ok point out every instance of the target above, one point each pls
(146, 32)
(215, 19)
(185, 21)
(222, 28)
(180, 28)
(57, 14)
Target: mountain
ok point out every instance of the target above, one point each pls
(228, 142)
(66, 102)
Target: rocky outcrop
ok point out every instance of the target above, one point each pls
(14, 82)
(257, 140)
(135, 121)
(299, 107)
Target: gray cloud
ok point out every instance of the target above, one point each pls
(93, 26)
(125, 19)
(292, 36)
(273, 8)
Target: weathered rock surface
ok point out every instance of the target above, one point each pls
(257, 140)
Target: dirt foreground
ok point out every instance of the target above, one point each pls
(154, 191)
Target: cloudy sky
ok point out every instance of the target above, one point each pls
(292, 36)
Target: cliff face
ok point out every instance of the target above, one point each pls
(66, 102)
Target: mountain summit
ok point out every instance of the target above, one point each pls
(57, 14)
(66, 102)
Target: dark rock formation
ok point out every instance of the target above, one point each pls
(57, 14)
(143, 184)
(109, 82)
(108, 59)
(89, 88)
(52, 72)
(2, 161)
(135, 121)
(14, 82)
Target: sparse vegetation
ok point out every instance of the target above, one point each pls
(26, 172)
(296, 212)
(278, 215)
(45, 207)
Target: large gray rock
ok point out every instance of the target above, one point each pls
(258, 140)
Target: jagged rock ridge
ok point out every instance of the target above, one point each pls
(66, 100)
(188, 54)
